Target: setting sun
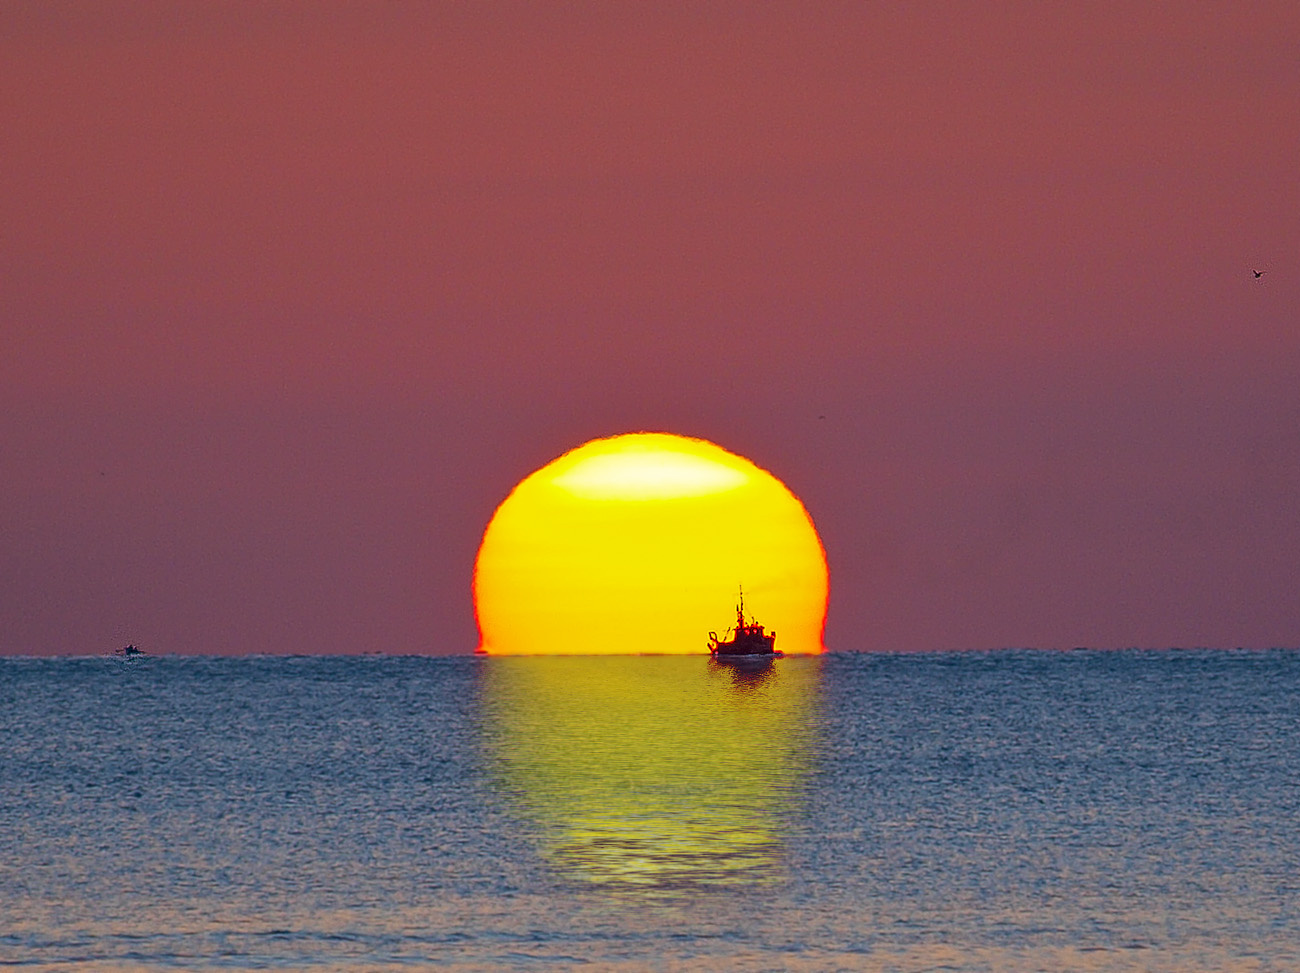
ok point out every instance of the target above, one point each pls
(638, 544)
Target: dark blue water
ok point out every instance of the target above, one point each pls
(969, 811)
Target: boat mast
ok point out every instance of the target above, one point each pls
(740, 610)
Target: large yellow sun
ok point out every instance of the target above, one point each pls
(639, 544)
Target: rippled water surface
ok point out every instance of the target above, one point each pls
(968, 811)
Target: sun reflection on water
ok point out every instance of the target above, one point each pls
(653, 773)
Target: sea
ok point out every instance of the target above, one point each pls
(965, 811)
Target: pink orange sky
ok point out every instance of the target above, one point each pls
(292, 295)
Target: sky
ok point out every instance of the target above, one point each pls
(293, 294)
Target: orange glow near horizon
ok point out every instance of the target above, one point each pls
(637, 544)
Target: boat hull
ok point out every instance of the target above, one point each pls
(750, 648)
(746, 656)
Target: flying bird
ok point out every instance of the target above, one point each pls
(1258, 273)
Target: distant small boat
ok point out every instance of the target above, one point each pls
(749, 640)
(129, 652)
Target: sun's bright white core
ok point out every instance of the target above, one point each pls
(646, 471)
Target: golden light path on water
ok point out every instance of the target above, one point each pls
(638, 544)
(650, 772)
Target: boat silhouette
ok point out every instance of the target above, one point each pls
(748, 641)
